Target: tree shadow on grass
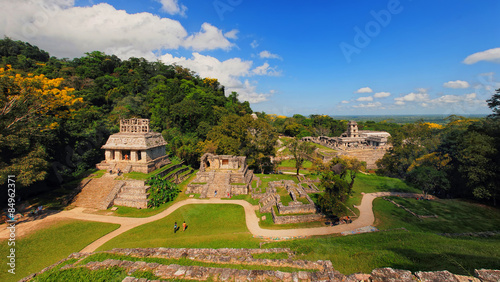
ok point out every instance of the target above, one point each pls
(462, 264)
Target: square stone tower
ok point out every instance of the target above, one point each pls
(134, 148)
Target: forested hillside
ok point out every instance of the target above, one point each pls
(57, 113)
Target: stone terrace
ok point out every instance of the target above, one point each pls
(322, 270)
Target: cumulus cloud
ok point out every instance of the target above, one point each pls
(382, 94)
(491, 55)
(365, 99)
(266, 69)
(172, 7)
(369, 105)
(456, 84)
(228, 72)
(364, 90)
(233, 34)
(209, 38)
(68, 31)
(345, 102)
(412, 97)
(269, 55)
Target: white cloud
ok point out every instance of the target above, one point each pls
(172, 7)
(228, 73)
(491, 55)
(364, 90)
(365, 99)
(233, 34)
(254, 44)
(209, 38)
(412, 97)
(345, 102)
(369, 105)
(456, 84)
(269, 55)
(452, 99)
(64, 30)
(265, 69)
(382, 94)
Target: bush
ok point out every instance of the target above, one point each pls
(161, 191)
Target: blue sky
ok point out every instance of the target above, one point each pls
(339, 57)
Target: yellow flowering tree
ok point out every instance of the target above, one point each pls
(30, 107)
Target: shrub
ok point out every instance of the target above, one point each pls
(161, 191)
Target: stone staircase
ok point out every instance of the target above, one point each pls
(133, 194)
(220, 184)
(95, 193)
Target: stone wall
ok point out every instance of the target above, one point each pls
(321, 270)
(296, 207)
(287, 219)
(370, 156)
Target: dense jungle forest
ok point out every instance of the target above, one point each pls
(55, 114)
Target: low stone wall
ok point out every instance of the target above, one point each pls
(295, 218)
(322, 270)
(168, 170)
(298, 207)
(195, 188)
(239, 189)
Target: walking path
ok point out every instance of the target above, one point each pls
(365, 218)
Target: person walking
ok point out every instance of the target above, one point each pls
(184, 225)
(175, 227)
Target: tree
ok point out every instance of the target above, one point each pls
(31, 107)
(429, 180)
(494, 103)
(300, 151)
(337, 191)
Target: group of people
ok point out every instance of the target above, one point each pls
(176, 228)
(118, 172)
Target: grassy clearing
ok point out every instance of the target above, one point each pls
(209, 226)
(454, 216)
(413, 251)
(48, 246)
(266, 178)
(145, 176)
(291, 163)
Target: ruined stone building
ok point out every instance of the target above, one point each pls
(352, 138)
(134, 148)
(228, 175)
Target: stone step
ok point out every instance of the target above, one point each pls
(131, 196)
(135, 183)
(135, 190)
(140, 204)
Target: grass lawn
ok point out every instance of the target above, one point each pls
(291, 163)
(48, 246)
(209, 226)
(413, 251)
(454, 216)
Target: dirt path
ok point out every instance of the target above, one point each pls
(365, 218)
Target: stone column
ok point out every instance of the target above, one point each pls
(109, 155)
(133, 156)
(144, 157)
(118, 155)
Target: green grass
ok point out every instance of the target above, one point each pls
(370, 183)
(291, 163)
(145, 176)
(266, 178)
(454, 216)
(323, 148)
(209, 226)
(50, 245)
(413, 251)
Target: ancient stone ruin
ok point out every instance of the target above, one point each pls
(365, 145)
(299, 270)
(226, 175)
(300, 209)
(134, 148)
